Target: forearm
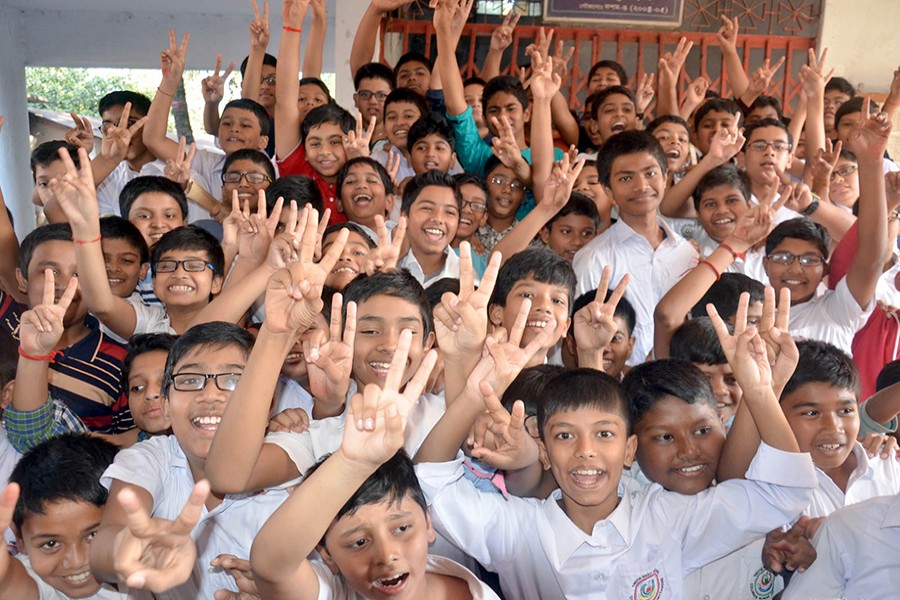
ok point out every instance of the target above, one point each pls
(363, 48)
(456, 373)
(211, 117)
(102, 166)
(103, 555)
(239, 439)
(521, 235)
(834, 219)
(590, 358)
(315, 47)
(771, 423)
(525, 483)
(867, 264)
(676, 202)
(737, 76)
(31, 390)
(449, 434)
(740, 446)
(154, 130)
(666, 95)
(454, 95)
(884, 405)
(491, 66)
(9, 252)
(562, 118)
(231, 304)
(287, 113)
(541, 146)
(815, 123)
(688, 106)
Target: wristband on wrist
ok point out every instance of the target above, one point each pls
(85, 242)
(813, 206)
(734, 254)
(164, 93)
(711, 266)
(48, 358)
(294, 29)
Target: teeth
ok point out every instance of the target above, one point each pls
(723, 221)
(207, 421)
(434, 232)
(181, 288)
(362, 198)
(344, 270)
(540, 324)
(693, 469)
(588, 472)
(391, 582)
(465, 221)
(380, 366)
(79, 578)
(829, 446)
(673, 154)
(294, 355)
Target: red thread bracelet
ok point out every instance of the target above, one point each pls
(294, 29)
(711, 266)
(83, 242)
(48, 358)
(734, 254)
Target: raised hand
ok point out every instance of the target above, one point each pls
(512, 447)
(545, 81)
(257, 229)
(789, 549)
(157, 554)
(117, 136)
(460, 320)
(239, 569)
(594, 324)
(82, 135)
(824, 162)
(179, 169)
(696, 91)
(76, 195)
(172, 59)
(744, 350)
(329, 364)
(41, 328)
(293, 12)
(725, 145)
(812, 75)
(356, 143)
(561, 59)
(502, 37)
(213, 86)
(869, 138)
(878, 444)
(762, 77)
(505, 147)
(259, 27)
(645, 92)
(558, 187)
(675, 59)
(727, 34)
(387, 252)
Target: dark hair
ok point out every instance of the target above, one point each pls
(401, 94)
(47, 153)
(696, 341)
(190, 237)
(612, 65)
(718, 105)
(423, 180)
(268, 59)
(583, 388)
(474, 80)
(601, 96)
(66, 468)
(374, 70)
(504, 83)
(800, 228)
(319, 84)
(376, 166)
(9, 359)
(663, 119)
(151, 183)
(413, 56)
(117, 228)
(853, 105)
(749, 129)
(395, 284)
(265, 122)
(140, 104)
(215, 334)
(428, 124)
(764, 101)
(628, 142)
(439, 288)
(529, 386)
(490, 165)
(723, 175)
(538, 264)
(327, 113)
(725, 293)
(144, 343)
(842, 85)
(350, 226)
(578, 204)
(889, 375)
(820, 362)
(257, 157)
(473, 179)
(624, 310)
(648, 383)
(51, 232)
(295, 187)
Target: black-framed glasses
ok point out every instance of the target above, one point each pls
(777, 146)
(194, 382)
(844, 172)
(478, 207)
(251, 176)
(367, 95)
(513, 184)
(106, 125)
(191, 265)
(805, 260)
(270, 80)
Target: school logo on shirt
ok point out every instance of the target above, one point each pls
(763, 585)
(648, 586)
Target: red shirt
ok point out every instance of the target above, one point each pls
(296, 164)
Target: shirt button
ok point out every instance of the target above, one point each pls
(706, 597)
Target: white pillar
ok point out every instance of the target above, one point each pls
(347, 15)
(15, 173)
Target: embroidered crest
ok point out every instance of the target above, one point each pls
(648, 587)
(763, 585)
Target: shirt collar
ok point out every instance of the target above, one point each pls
(614, 530)
(892, 518)
(621, 231)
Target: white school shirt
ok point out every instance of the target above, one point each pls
(208, 165)
(334, 587)
(653, 272)
(450, 268)
(857, 549)
(872, 477)
(290, 394)
(324, 436)
(832, 317)
(751, 265)
(643, 549)
(109, 189)
(159, 466)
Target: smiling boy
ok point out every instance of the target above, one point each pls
(431, 205)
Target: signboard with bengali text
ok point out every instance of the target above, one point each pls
(652, 13)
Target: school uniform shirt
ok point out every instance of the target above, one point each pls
(751, 265)
(159, 466)
(106, 591)
(872, 477)
(857, 549)
(832, 317)
(208, 166)
(296, 163)
(643, 549)
(109, 189)
(290, 394)
(450, 268)
(334, 587)
(653, 272)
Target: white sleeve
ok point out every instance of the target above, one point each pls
(108, 191)
(331, 586)
(826, 577)
(143, 465)
(306, 449)
(150, 318)
(584, 275)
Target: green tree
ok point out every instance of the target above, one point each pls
(70, 90)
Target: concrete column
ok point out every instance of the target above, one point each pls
(15, 174)
(347, 15)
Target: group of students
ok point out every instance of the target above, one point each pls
(466, 344)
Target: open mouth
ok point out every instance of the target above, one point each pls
(344, 270)
(692, 469)
(78, 579)
(391, 585)
(181, 289)
(431, 165)
(674, 154)
(401, 132)
(587, 478)
(207, 422)
(362, 199)
(434, 233)
(618, 127)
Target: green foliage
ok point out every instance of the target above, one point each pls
(72, 90)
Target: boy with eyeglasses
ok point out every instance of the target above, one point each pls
(507, 193)
(373, 83)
